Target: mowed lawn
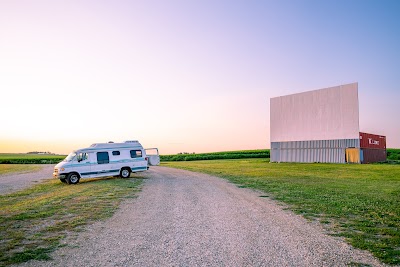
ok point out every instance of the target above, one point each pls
(358, 202)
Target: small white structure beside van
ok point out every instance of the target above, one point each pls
(105, 159)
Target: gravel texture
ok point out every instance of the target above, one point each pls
(10, 183)
(181, 218)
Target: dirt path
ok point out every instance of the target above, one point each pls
(183, 218)
(16, 181)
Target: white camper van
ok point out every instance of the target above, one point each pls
(104, 159)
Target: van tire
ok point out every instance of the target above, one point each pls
(125, 173)
(72, 178)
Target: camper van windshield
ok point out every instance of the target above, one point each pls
(70, 157)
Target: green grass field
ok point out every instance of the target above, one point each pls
(9, 158)
(260, 153)
(358, 202)
(35, 220)
(393, 154)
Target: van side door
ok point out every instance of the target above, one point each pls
(102, 165)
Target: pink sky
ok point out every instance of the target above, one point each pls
(185, 76)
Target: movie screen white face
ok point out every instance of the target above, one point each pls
(324, 114)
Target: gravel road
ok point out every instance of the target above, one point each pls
(182, 218)
(16, 181)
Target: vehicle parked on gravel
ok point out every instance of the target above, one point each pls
(105, 159)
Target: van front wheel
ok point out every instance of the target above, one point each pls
(72, 178)
(125, 173)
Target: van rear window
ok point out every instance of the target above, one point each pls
(136, 153)
(102, 158)
(116, 153)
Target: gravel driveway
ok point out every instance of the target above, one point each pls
(16, 181)
(181, 218)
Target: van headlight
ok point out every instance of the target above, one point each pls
(62, 169)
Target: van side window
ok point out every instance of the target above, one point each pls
(102, 158)
(136, 153)
(81, 157)
(116, 153)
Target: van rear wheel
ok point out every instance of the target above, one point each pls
(125, 173)
(72, 178)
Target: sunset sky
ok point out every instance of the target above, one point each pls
(186, 76)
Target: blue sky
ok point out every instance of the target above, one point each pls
(192, 76)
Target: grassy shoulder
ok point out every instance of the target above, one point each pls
(35, 220)
(358, 202)
(13, 168)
